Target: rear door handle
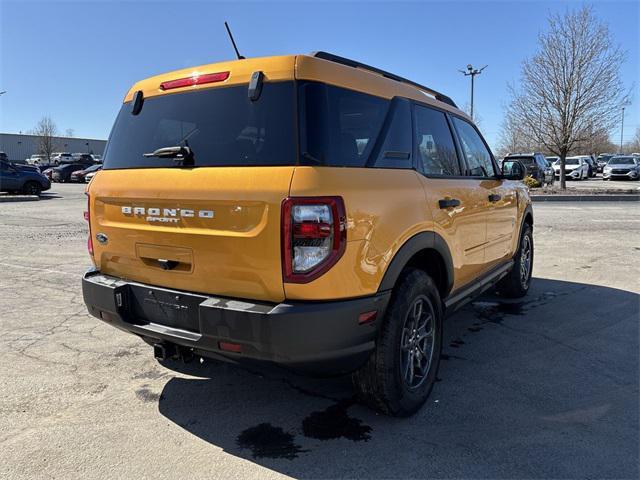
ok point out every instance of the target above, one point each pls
(448, 202)
(494, 197)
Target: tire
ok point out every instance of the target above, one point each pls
(384, 382)
(32, 188)
(517, 282)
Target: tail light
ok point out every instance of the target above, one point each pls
(87, 217)
(314, 236)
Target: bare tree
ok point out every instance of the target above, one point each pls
(46, 132)
(69, 132)
(633, 146)
(512, 137)
(597, 142)
(571, 87)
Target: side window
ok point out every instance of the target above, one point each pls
(339, 127)
(395, 150)
(436, 152)
(476, 153)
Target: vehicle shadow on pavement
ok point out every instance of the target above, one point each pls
(50, 196)
(546, 386)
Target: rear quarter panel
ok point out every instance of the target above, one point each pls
(384, 207)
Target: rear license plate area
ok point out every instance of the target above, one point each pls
(165, 307)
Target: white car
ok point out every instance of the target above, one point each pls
(58, 158)
(575, 168)
(622, 167)
(89, 176)
(37, 159)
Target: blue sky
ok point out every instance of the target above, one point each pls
(74, 61)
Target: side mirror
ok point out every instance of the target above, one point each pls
(513, 170)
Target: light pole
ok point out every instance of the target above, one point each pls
(622, 130)
(472, 72)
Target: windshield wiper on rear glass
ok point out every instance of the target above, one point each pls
(178, 153)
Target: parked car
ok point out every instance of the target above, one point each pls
(78, 176)
(89, 176)
(59, 158)
(22, 179)
(535, 165)
(63, 173)
(602, 160)
(37, 159)
(83, 157)
(97, 158)
(270, 252)
(625, 167)
(549, 174)
(593, 166)
(48, 172)
(576, 168)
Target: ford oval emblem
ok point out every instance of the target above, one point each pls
(102, 238)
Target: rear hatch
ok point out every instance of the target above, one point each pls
(208, 220)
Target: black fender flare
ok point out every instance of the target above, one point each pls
(420, 241)
(528, 210)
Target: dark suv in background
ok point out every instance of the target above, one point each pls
(21, 178)
(536, 166)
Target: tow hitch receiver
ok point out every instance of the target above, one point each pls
(164, 351)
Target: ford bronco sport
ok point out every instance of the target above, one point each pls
(306, 210)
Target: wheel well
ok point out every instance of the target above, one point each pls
(430, 261)
(528, 219)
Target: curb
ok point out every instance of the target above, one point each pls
(586, 198)
(19, 198)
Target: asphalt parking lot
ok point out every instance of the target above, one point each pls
(540, 388)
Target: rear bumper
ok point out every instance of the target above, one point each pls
(316, 337)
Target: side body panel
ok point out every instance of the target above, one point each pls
(384, 207)
(501, 221)
(463, 227)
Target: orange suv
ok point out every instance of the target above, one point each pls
(305, 210)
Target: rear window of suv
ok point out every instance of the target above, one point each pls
(526, 160)
(221, 126)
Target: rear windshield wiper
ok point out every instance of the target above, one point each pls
(179, 153)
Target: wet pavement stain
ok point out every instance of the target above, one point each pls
(494, 312)
(457, 343)
(334, 422)
(474, 329)
(267, 441)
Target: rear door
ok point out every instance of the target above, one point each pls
(212, 227)
(456, 201)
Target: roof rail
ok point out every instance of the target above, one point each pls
(352, 63)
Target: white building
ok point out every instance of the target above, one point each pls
(20, 146)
